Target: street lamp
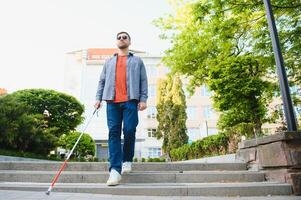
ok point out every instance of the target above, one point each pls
(284, 87)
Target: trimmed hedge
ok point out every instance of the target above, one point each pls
(156, 160)
(209, 146)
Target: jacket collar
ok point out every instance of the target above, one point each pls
(130, 54)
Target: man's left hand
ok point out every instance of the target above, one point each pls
(142, 106)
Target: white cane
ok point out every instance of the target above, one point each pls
(65, 162)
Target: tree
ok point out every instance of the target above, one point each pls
(86, 145)
(240, 92)
(24, 125)
(171, 115)
(63, 112)
(225, 44)
(23, 131)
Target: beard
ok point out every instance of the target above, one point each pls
(123, 46)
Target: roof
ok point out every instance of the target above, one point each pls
(3, 91)
(101, 53)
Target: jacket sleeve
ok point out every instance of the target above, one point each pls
(143, 94)
(101, 84)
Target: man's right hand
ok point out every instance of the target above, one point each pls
(97, 104)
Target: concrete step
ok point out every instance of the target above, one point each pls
(134, 177)
(38, 195)
(163, 189)
(99, 166)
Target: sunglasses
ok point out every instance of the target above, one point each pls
(124, 37)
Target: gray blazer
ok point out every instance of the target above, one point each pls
(136, 79)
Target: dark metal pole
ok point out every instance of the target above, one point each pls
(284, 87)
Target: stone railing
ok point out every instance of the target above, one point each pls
(279, 156)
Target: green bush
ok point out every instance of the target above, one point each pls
(208, 146)
(85, 149)
(156, 160)
(54, 157)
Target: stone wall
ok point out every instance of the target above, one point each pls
(279, 156)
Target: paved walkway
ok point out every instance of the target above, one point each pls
(20, 195)
(229, 158)
(13, 158)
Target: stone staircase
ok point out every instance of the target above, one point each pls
(147, 179)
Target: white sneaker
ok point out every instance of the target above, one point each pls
(126, 167)
(114, 178)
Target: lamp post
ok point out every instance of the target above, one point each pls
(284, 87)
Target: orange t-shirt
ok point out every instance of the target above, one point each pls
(120, 81)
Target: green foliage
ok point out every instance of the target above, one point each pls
(240, 92)
(22, 130)
(162, 159)
(171, 115)
(209, 146)
(64, 110)
(225, 44)
(25, 128)
(85, 147)
(156, 160)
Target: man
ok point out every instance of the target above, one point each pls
(123, 85)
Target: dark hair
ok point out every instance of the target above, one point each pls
(124, 33)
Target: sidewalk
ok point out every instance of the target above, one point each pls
(229, 158)
(14, 158)
(20, 195)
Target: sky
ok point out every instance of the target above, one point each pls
(35, 35)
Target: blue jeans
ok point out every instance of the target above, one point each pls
(126, 112)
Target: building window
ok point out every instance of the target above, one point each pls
(208, 131)
(151, 71)
(191, 112)
(151, 112)
(212, 131)
(205, 92)
(193, 133)
(166, 70)
(207, 112)
(298, 110)
(151, 132)
(154, 152)
(152, 90)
